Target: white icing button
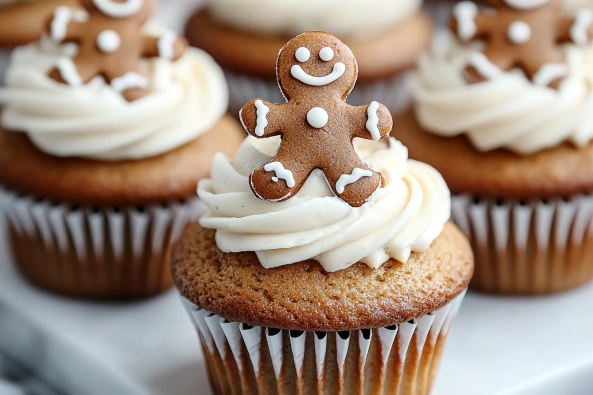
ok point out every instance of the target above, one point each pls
(108, 41)
(519, 32)
(326, 54)
(317, 117)
(302, 54)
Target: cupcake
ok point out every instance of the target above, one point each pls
(23, 22)
(504, 113)
(101, 149)
(323, 264)
(244, 38)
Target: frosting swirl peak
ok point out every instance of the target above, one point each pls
(506, 112)
(94, 121)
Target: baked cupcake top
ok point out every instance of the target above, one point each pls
(314, 192)
(516, 76)
(341, 17)
(103, 85)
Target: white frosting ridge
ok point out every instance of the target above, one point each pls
(343, 18)
(406, 215)
(94, 121)
(507, 110)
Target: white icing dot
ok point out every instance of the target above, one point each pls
(317, 117)
(326, 54)
(519, 32)
(108, 41)
(302, 54)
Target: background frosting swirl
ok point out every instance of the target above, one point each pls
(340, 17)
(94, 121)
(404, 216)
(510, 111)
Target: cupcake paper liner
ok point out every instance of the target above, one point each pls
(95, 252)
(400, 359)
(528, 247)
(393, 92)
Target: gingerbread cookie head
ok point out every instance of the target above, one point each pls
(138, 10)
(313, 62)
(316, 71)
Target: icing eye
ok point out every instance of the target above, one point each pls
(302, 54)
(326, 54)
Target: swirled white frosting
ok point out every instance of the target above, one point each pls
(344, 18)
(509, 111)
(406, 215)
(94, 121)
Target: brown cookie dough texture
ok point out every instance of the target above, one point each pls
(25, 22)
(303, 296)
(561, 171)
(520, 33)
(316, 71)
(385, 54)
(170, 176)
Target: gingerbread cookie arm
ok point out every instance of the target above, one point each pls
(468, 23)
(67, 24)
(261, 118)
(578, 30)
(168, 46)
(372, 122)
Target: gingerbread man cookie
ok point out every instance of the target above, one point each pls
(316, 72)
(111, 43)
(520, 33)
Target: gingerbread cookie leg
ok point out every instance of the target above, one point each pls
(131, 84)
(280, 179)
(488, 65)
(74, 71)
(549, 74)
(353, 184)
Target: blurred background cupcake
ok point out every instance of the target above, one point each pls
(504, 113)
(244, 38)
(107, 127)
(22, 22)
(359, 293)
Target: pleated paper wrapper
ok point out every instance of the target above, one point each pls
(95, 252)
(393, 92)
(528, 247)
(401, 359)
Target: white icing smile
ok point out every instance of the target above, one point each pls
(306, 78)
(526, 4)
(119, 10)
